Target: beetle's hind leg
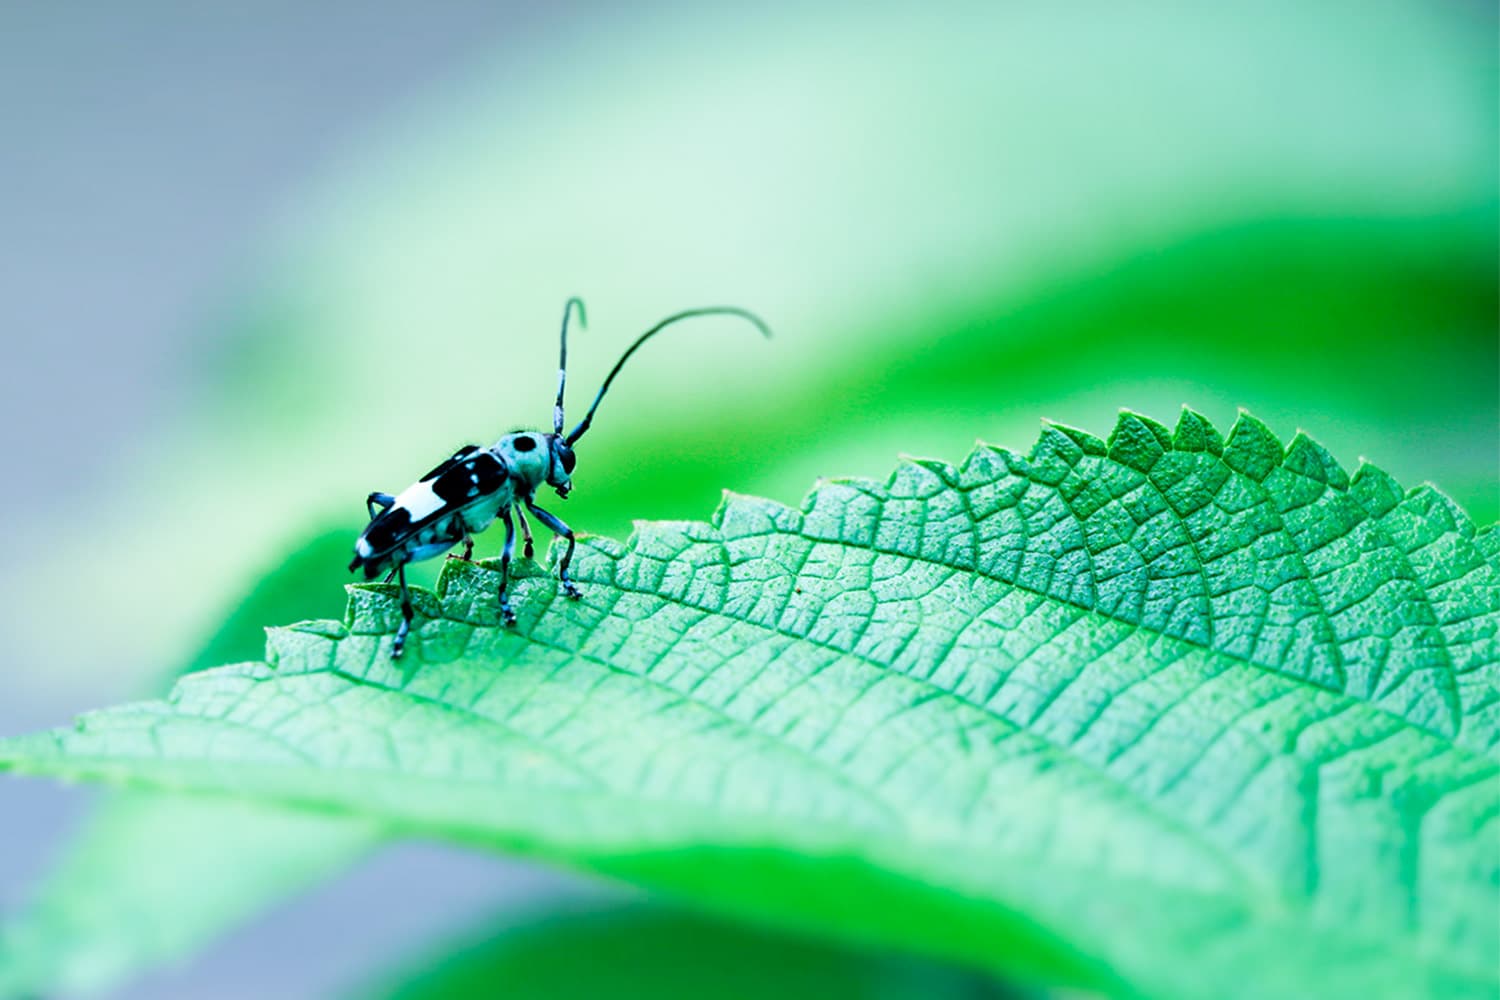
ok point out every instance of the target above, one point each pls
(527, 549)
(559, 528)
(507, 616)
(407, 613)
(382, 500)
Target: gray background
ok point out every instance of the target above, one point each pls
(145, 147)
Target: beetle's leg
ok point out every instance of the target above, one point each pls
(527, 549)
(506, 614)
(382, 500)
(406, 615)
(468, 540)
(558, 528)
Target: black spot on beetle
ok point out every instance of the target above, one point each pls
(490, 471)
(481, 475)
(387, 530)
(524, 443)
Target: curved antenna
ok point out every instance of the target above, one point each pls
(745, 314)
(562, 359)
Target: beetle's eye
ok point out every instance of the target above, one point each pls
(568, 460)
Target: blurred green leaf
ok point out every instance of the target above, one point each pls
(931, 174)
(650, 952)
(152, 877)
(1167, 714)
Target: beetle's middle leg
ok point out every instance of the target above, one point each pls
(468, 541)
(527, 549)
(506, 614)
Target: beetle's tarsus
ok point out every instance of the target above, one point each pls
(398, 646)
(507, 616)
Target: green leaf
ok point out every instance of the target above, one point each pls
(650, 952)
(1172, 713)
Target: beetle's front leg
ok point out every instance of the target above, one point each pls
(407, 613)
(558, 528)
(507, 616)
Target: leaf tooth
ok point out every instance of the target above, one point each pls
(1252, 449)
(1157, 428)
(1433, 503)
(945, 471)
(1374, 489)
(1307, 458)
(984, 464)
(454, 572)
(1138, 442)
(1090, 444)
(1195, 433)
(740, 515)
(1056, 448)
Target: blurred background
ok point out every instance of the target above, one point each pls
(260, 264)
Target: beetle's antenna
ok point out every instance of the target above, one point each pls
(562, 359)
(583, 425)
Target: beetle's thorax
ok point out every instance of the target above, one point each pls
(533, 460)
(526, 457)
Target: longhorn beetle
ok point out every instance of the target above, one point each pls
(467, 492)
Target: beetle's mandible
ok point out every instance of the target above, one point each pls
(467, 492)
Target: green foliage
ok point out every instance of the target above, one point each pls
(1168, 714)
(646, 952)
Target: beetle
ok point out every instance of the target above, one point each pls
(467, 492)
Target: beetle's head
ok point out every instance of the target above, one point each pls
(562, 464)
